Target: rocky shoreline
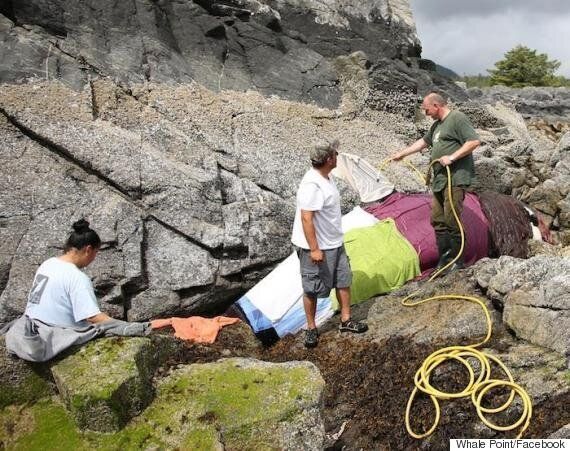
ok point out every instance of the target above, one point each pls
(180, 130)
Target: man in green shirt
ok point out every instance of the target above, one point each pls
(452, 140)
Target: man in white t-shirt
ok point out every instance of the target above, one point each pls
(317, 235)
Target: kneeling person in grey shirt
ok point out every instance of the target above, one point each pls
(317, 235)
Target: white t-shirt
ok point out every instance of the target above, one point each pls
(318, 194)
(62, 295)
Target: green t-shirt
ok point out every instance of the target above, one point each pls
(445, 137)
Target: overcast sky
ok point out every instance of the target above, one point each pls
(469, 36)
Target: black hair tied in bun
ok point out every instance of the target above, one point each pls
(81, 226)
(82, 236)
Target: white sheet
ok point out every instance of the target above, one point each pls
(279, 290)
(370, 184)
(357, 218)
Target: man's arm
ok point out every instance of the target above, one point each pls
(418, 146)
(311, 235)
(463, 151)
(99, 318)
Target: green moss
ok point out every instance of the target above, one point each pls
(232, 393)
(30, 388)
(50, 428)
(201, 438)
(99, 364)
(246, 403)
(196, 408)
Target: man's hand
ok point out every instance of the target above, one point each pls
(445, 161)
(397, 156)
(418, 146)
(317, 256)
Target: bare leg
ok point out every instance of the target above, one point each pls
(310, 305)
(343, 296)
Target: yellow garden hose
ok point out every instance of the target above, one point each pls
(477, 386)
(407, 163)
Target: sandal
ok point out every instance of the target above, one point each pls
(311, 338)
(356, 327)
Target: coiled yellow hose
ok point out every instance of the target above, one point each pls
(477, 386)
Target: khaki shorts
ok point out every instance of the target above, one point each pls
(333, 272)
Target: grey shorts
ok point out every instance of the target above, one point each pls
(333, 272)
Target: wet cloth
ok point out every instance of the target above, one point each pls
(411, 213)
(35, 341)
(362, 177)
(275, 294)
(381, 260)
(357, 218)
(291, 322)
(509, 224)
(195, 328)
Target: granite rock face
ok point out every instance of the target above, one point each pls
(535, 295)
(530, 102)
(178, 226)
(276, 47)
(193, 191)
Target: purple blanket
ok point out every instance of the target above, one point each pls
(411, 212)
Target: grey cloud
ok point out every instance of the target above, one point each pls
(436, 10)
(469, 37)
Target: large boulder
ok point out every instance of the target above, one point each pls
(444, 321)
(108, 381)
(242, 403)
(535, 297)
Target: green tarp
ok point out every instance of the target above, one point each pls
(381, 260)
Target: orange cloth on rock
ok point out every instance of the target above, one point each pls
(195, 328)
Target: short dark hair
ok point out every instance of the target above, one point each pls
(82, 236)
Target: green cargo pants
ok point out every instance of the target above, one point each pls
(442, 218)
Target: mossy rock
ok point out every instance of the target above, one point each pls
(230, 404)
(242, 403)
(22, 381)
(107, 382)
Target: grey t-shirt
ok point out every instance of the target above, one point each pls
(62, 295)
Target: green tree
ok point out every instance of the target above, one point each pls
(524, 67)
